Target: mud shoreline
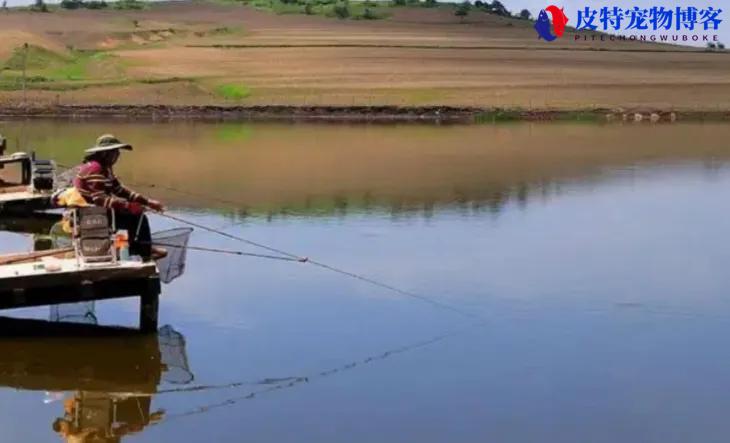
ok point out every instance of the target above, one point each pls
(354, 114)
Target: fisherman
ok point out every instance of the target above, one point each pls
(98, 185)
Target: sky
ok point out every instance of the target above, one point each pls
(572, 6)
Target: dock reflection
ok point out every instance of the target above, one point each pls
(105, 378)
(39, 223)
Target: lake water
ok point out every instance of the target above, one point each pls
(591, 258)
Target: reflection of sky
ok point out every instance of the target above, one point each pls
(605, 308)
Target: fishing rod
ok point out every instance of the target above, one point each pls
(32, 256)
(221, 251)
(294, 257)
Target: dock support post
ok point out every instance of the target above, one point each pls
(149, 305)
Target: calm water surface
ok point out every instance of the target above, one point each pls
(595, 256)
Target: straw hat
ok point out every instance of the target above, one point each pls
(108, 142)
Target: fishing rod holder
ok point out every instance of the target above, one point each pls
(38, 174)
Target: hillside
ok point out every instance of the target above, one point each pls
(196, 53)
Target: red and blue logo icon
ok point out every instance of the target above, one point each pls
(543, 23)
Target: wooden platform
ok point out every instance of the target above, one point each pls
(18, 194)
(34, 284)
(24, 202)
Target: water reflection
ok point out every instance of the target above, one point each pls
(602, 278)
(40, 223)
(104, 379)
(102, 417)
(272, 170)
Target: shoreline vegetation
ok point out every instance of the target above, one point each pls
(394, 60)
(354, 114)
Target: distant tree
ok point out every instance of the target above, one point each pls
(95, 4)
(498, 8)
(525, 14)
(721, 46)
(39, 6)
(479, 4)
(309, 8)
(430, 3)
(462, 10)
(70, 4)
(711, 46)
(129, 4)
(368, 14)
(342, 10)
(5, 5)
(399, 2)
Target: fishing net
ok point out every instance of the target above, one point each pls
(173, 356)
(65, 179)
(74, 313)
(175, 242)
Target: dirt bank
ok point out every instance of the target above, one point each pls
(201, 54)
(384, 114)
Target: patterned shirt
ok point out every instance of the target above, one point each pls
(99, 186)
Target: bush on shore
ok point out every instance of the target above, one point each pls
(342, 9)
(462, 10)
(129, 4)
(495, 7)
(81, 4)
(39, 6)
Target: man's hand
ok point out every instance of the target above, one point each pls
(155, 205)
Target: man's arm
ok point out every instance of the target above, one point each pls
(125, 193)
(92, 185)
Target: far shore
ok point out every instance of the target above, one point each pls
(357, 114)
(419, 62)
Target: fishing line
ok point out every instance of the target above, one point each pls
(231, 236)
(296, 381)
(238, 384)
(295, 257)
(222, 251)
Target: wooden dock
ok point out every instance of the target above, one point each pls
(23, 201)
(29, 190)
(51, 281)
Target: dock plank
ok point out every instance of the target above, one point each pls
(23, 286)
(24, 202)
